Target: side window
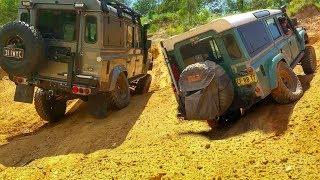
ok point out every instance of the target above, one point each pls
(130, 36)
(25, 17)
(274, 29)
(91, 30)
(232, 46)
(255, 37)
(113, 32)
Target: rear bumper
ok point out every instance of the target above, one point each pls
(58, 85)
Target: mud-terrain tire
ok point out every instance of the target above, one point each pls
(289, 86)
(143, 85)
(306, 39)
(120, 97)
(309, 62)
(21, 35)
(48, 107)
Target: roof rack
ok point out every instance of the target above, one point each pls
(121, 8)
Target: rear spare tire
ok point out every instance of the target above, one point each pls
(21, 49)
(289, 86)
(48, 107)
(207, 90)
(309, 62)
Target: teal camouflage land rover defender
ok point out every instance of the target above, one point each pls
(233, 62)
(96, 50)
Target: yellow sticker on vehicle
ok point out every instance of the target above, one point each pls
(247, 80)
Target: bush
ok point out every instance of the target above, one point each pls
(296, 5)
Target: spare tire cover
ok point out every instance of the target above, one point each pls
(207, 91)
(19, 36)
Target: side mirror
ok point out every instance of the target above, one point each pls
(148, 44)
(294, 22)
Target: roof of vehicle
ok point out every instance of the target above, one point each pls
(219, 25)
(90, 4)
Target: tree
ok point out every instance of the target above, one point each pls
(145, 7)
(8, 10)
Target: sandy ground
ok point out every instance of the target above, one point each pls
(147, 141)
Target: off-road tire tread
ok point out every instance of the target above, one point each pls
(42, 106)
(143, 85)
(282, 94)
(309, 63)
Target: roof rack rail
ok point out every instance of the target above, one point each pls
(121, 8)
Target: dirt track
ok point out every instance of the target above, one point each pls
(146, 139)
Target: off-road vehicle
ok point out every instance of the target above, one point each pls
(233, 62)
(89, 49)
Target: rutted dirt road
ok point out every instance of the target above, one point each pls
(146, 140)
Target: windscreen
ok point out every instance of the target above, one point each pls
(57, 24)
(200, 51)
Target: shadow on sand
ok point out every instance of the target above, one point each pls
(78, 132)
(266, 116)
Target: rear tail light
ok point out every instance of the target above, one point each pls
(81, 90)
(20, 80)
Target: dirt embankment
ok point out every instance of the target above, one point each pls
(147, 141)
(2, 73)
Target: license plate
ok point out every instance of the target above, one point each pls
(13, 53)
(247, 80)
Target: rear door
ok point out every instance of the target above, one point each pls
(60, 39)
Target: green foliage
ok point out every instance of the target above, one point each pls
(176, 16)
(296, 5)
(8, 10)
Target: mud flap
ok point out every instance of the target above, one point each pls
(24, 93)
(98, 105)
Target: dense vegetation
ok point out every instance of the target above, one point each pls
(175, 16)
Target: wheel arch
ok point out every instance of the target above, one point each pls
(115, 73)
(273, 70)
(302, 34)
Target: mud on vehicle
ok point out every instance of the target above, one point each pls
(89, 49)
(229, 64)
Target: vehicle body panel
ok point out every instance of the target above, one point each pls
(287, 48)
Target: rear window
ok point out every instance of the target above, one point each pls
(57, 24)
(255, 37)
(200, 51)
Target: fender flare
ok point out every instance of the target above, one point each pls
(302, 34)
(273, 70)
(115, 73)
